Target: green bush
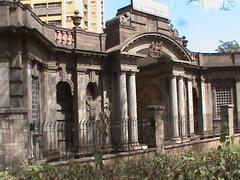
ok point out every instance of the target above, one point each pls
(223, 163)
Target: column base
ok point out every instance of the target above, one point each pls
(176, 140)
(185, 139)
(137, 146)
(193, 136)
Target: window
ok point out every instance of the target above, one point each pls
(41, 5)
(55, 5)
(55, 23)
(222, 97)
(35, 103)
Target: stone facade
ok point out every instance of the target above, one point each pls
(56, 83)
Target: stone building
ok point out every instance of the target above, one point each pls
(55, 84)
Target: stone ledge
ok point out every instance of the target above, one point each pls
(168, 147)
(106, 157)
(13, 110)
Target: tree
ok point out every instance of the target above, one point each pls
(228, 47)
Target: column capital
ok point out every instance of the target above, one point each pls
(172, 76)
(190, 80)
(122, 72)
(131, 73)
(203, 78)
(180, 77)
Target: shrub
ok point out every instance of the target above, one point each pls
(223, 163)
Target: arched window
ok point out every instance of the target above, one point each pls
(92, 91)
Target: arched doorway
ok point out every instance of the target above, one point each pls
(65, 124)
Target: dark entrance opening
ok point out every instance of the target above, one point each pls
(197, 118)
(65, 123)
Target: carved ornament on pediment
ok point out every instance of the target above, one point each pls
(125, 19)
(155, 49)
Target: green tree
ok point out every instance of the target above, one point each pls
(228, 47)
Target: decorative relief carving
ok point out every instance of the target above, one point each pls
(155, 49)
(125, 19)
(63, 72)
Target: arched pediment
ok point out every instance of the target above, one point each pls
(140, 45)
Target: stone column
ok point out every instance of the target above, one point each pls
(174, 106)
(106, 102)
(156, 113)
(238, 101)
(227, 118)
(123, 107)
(181, 105)
(204, 106)
(132, 108)
(231, 120)
(190, 107)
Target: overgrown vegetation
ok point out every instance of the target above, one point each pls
(223, 163)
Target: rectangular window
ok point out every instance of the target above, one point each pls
(40, 5)
(35, 103)
(55, 5)
(223, 96)
(55, 23)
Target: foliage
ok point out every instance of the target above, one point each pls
(228, 47)
(223, 163)
(102, 125)
(5, 175)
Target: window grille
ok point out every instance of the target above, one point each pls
(35, 103)
(222, 97)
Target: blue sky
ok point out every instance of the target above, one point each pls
(203, 25)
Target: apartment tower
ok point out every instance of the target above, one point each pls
(59, 12)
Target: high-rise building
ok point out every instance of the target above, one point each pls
(59, 12)
(94, 15)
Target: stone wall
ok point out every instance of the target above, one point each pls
(14, 136)
(219, 60)
(196, 146)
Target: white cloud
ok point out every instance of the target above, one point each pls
(212, 4)
(218, 4)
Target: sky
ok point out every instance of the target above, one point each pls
(203, 24)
